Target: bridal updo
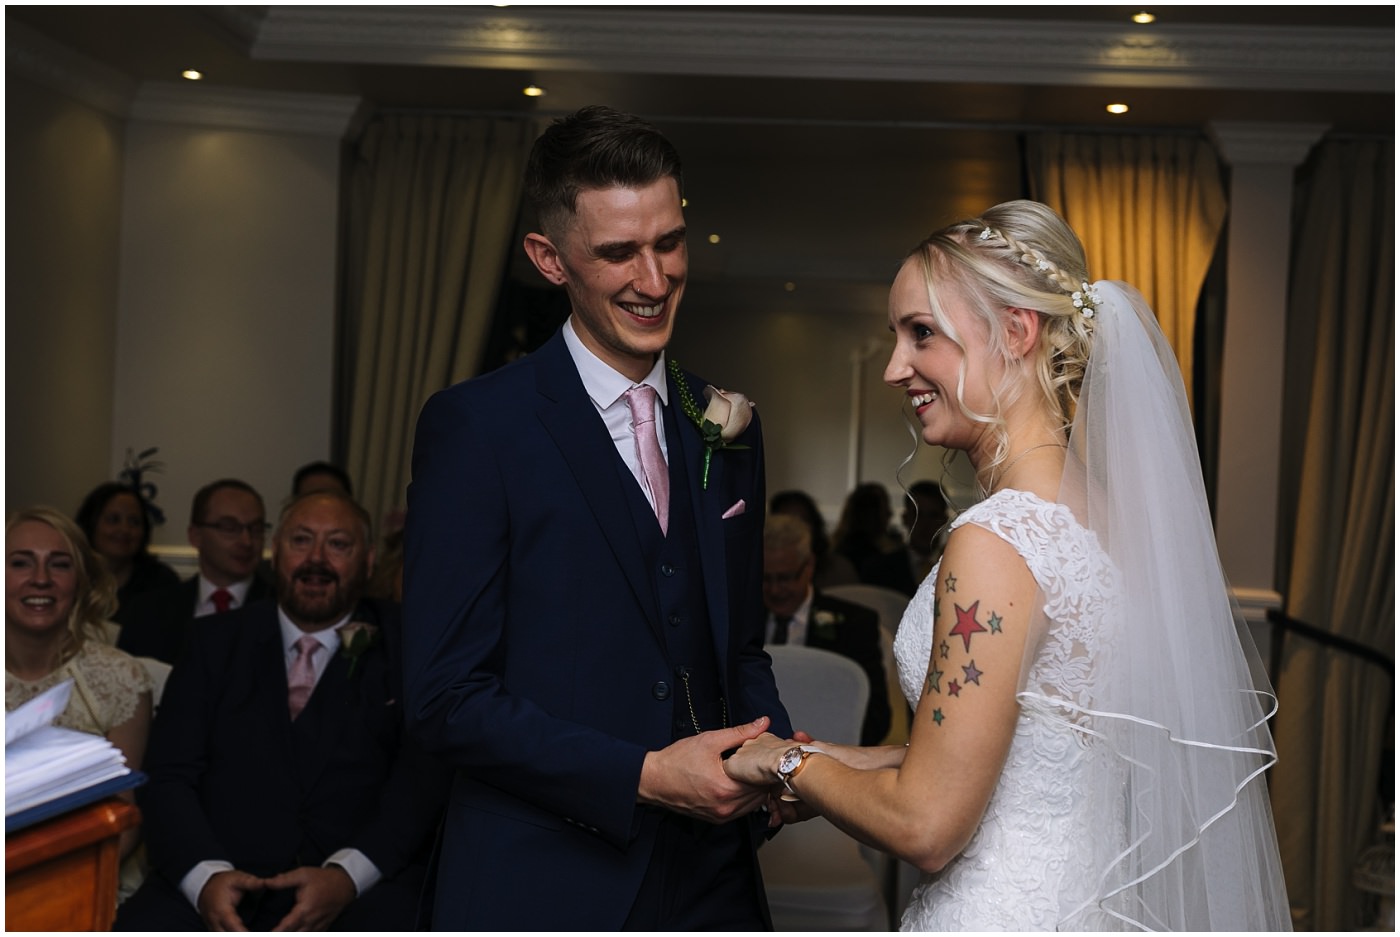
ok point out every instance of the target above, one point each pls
(1018, 254)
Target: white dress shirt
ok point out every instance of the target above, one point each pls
(606, 388)
(797, 628)
(203, 605)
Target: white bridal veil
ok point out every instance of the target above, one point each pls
(1180, 703)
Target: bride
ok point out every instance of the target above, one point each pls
(1089, 746)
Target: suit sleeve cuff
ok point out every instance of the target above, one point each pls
(196, 878)
(364, 873)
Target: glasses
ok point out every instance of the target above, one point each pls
(231, 528)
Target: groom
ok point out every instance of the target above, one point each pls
(582, 586)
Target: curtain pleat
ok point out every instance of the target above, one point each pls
(1335, 721)
(433, 204)
(1149, 209)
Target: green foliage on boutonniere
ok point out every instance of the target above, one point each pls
(824, 623)
(356, 637)
(725, 417)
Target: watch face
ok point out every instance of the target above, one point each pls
(789, 762)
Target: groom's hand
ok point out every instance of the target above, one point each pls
(688, 776)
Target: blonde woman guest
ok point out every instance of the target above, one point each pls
(1088, 745)
(58, 595)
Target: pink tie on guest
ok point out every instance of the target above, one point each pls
(302, 678)
(221, 599)
(642, 400)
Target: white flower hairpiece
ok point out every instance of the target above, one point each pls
(986, 235)
(1086, 300)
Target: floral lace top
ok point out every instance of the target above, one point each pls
(1027, 865)
(106, 686)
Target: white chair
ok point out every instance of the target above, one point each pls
(815, 875)
(899, 877)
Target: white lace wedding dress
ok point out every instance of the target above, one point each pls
(1030, 865)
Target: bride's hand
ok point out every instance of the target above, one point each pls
(756, 762)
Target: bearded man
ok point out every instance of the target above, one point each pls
(283, 790)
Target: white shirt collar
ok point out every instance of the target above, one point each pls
(291, 633)
(239, 590)
(605, 386)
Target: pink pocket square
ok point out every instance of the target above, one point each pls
(738, 508)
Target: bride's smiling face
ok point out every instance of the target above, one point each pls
(932, 359)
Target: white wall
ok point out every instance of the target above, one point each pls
(226, 311)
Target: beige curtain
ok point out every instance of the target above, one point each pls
(432, 206)
(1149, 210)
(1334, 725)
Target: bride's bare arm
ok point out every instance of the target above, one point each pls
(923, 804)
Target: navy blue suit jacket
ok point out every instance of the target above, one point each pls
(533, 651)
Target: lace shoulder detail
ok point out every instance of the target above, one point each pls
(1077, 581)
(107, 685)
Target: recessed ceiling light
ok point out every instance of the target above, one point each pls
(790, 286)
(192, 74)
(1143, 18)
(1117, 108)
(533, 91)
(713, 239)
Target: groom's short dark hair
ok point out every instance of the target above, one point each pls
(595, 147)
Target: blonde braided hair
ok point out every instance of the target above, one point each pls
(1020, 255)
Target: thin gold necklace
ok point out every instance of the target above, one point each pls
(1025, 452)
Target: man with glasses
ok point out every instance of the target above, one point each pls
(799, 614)
(227, 527)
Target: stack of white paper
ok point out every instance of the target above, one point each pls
(44, 762)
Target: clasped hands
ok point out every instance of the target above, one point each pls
(321, 894)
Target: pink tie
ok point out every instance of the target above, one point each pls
(642, 400)
(221, 599)
(302, 679)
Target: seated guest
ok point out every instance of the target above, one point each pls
(283, 790)
(926, 519)
(118, 525)
(801, 614)
(832, 569)
(227, 526)
(58, 594)
(864, 537)
(321, 476)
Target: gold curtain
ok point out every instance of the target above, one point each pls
(431, 210)
(1337, 524)
(1149, 210)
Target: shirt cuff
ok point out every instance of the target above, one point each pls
(196, 878)
(362, 872)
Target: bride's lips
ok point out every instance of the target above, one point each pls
(922, 399)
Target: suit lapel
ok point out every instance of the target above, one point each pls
(709, 529)
(571, 420)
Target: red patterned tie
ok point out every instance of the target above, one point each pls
(221, 599)
(302, 679)
(642, 400)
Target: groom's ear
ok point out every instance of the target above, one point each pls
(545, 256)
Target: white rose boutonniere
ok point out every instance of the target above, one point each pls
(824, 623)
(727, 414)
(356, 637)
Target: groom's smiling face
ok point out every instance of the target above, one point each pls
(622, 258)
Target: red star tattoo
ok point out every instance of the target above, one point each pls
(967, 624)
(971, 674)
(954, 688)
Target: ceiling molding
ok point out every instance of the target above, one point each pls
(794, 45)
(39, 59)
(244, 109)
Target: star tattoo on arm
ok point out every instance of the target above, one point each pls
(934, 676)
(968, 625)
(971, 674)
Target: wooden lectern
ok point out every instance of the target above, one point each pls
(61, 874)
